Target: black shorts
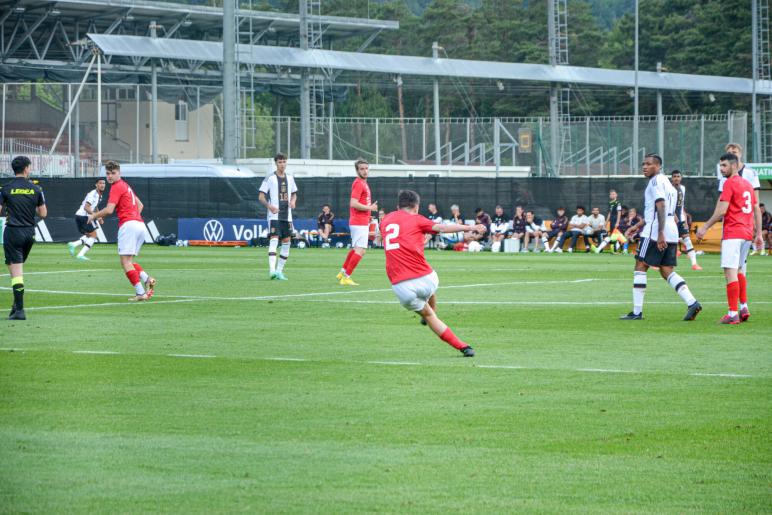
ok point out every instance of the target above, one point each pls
(280, 228)
(682, 229)
(17, 243)
(652, 256)
(83, 226)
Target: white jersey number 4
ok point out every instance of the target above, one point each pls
(392, 231)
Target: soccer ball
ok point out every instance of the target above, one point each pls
(339, 245)
(325, 245)
(301, 244)
(474, 246)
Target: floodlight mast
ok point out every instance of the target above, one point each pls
(229, 76)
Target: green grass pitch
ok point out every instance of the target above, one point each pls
(231, 393)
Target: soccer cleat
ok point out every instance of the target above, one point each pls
(71, 248)
(348, 281)
(753, 252)
(744, 314)
(595, 249)
(423, 321)
(150, 286)
(730, 320)
(281, 277)
(271, 275)
(632, 316)
(468, 352)
(339, 276)
(693, 311)
(139, 298)
(17, 315)
(559, 250)
(83, 258)
(13, 310)
(764, 253)
(696, 267)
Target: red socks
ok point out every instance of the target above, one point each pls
(348, 258)
(743, 288)
(133, 276)
(351, 262)
(452, 340)
(733, 294)
(138, 268)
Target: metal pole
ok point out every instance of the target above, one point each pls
(554, 131)
(305, 88)
(541, 143)
(755, 126)
(289, 136)
(229, 76)
(330, 124)
(154, 101)
(702, 145)
(69, 124)
(76, 123)
(2, 137)
(497, 145)
(437, 140)
(99, 111)
(136, 125)
(423, 139)
(660, 120)
(198, 125)
(634, 157)
(377, 140)
(587, 143)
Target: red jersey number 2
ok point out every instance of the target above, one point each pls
(392, 232)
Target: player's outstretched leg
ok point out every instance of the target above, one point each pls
(444, 332)
(283, 256)
(273, 244)
(679, 285)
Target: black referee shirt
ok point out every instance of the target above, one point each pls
(21, 198)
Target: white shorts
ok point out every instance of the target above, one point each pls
(414, 293)
(131, 236)
(734, 253)
(359, 235)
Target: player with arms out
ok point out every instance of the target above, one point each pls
(360, 206)
(659, 240)
(87, 230)
(282, 193)
(740, 210)
(412, 279)
(614, 218)
(21, 200)
(680, 212)
(131, 230)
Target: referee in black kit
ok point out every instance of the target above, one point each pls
(21, 199)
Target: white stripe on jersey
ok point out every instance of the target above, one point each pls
(92, 199)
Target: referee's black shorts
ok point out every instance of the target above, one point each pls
(649, 253)
(83, 226)
(17, 243)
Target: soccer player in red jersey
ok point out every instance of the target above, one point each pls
(740, 210)
(131, 230)
(413, 280)
(360, 206)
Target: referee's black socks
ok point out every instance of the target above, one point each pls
(17, 283)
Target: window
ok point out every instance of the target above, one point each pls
(181, 120)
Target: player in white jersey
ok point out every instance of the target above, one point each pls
(680, 213)
(659, 240)
(88, 230)
(278, 194)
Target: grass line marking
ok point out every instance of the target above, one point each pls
(705, 374)
(606, 370)
(94, 352)
(410, 363)
(191, 355)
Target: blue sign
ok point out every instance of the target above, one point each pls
(231, 229)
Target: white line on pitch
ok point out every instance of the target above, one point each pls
(94, 352)
(76, 271)
(191, 355)
(70, 306)
(393, 363)
(12, 349)
(705, 374)
(507, 367)
(285, 359)
(606, 370)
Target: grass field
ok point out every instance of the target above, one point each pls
(228, 392)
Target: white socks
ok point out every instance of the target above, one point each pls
(273, 243)
(639, 291)
(690, 249)
(679, 285)
(87, 244)
(283, 255)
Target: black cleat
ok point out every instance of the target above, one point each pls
(17, 315)
(693, 311)
(632, 316)
(13, 310)
(423, 321)
(468, 352)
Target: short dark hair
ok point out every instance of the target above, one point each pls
(408, 198)
(529, 211)
(326, 205)
(675, 172)
(360, 161)
(19, 164)
(478, 210)
(729, 157)
(112, 165)
(99, 179)
(655, 157)
(561, 208)
(580, 207)
(279, 157)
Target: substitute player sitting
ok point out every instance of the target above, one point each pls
(413, 280)
(741, 213)
(131, 230)
(87, 230)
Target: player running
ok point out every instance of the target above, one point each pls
(360, 206)
(740, 210)
(658, 241)
(680, 213)
(87, 230)
(22, 200)
(282, 194)
(413, 280)
(131, 230)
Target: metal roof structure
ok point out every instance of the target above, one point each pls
(134, 47)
